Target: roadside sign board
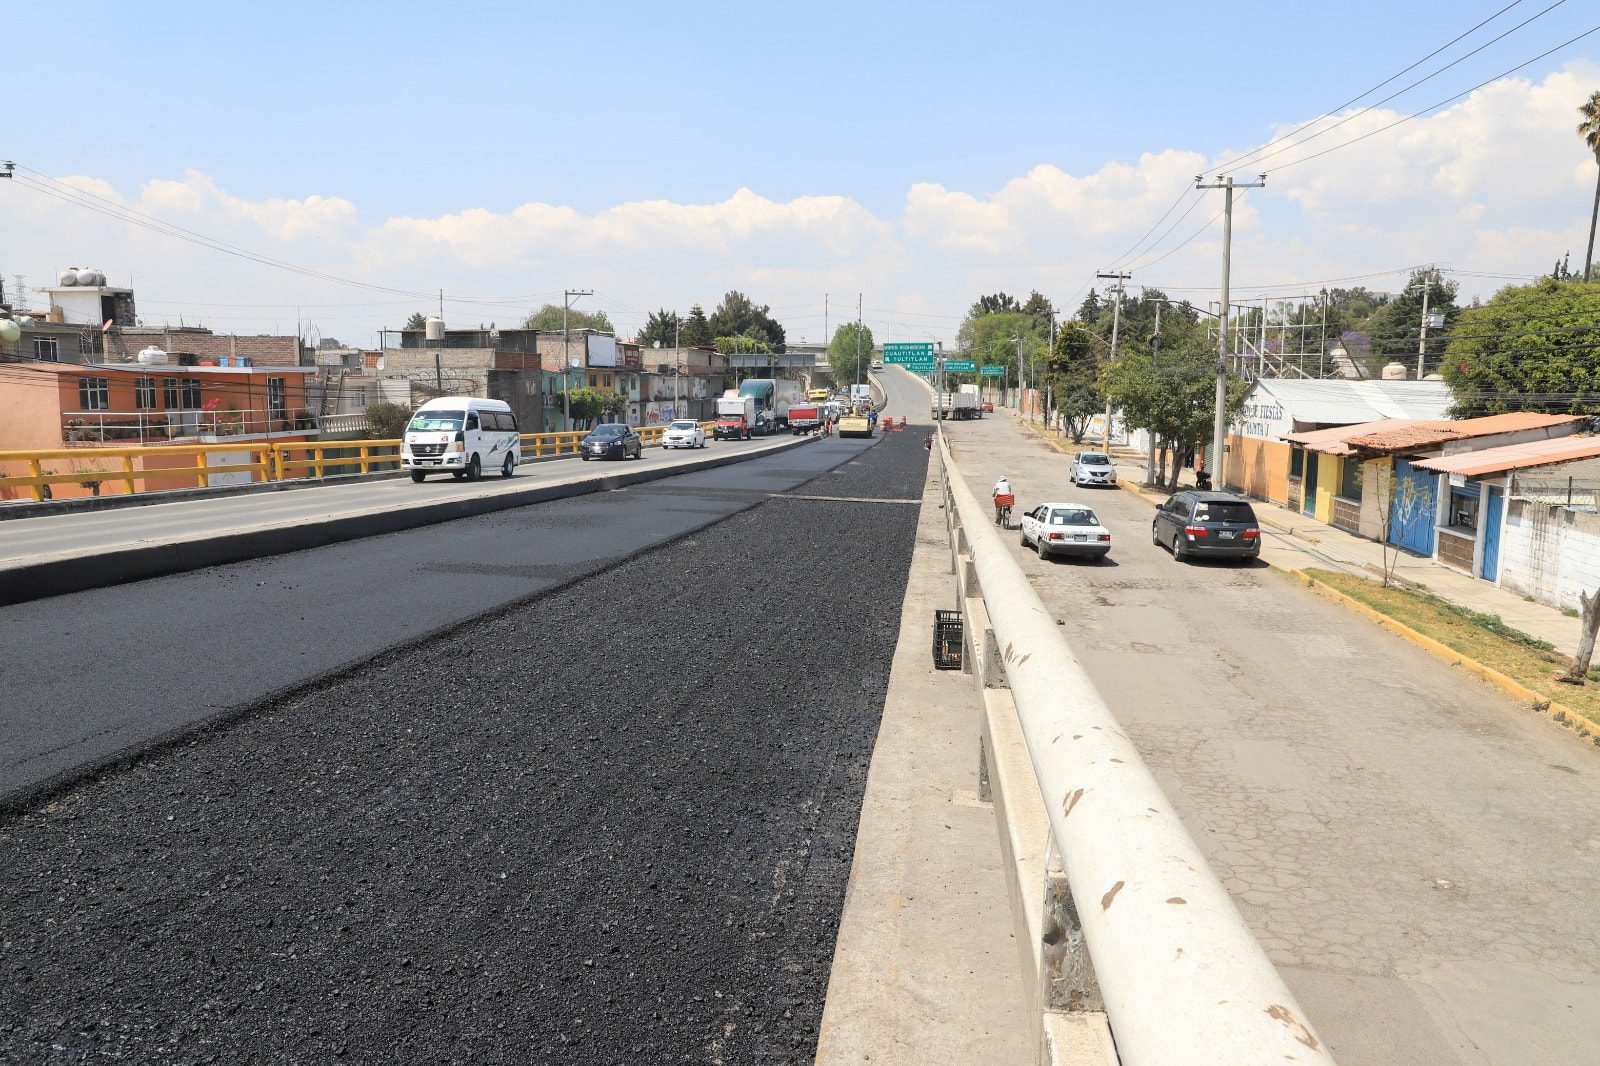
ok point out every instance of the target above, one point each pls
(993, 370)
(913, 356)
(960, 366)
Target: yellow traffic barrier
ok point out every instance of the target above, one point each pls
(264, 460)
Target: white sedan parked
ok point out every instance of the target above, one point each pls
(1065, 529)
(684, 433)
(1092, 468)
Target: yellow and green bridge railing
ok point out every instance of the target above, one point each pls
(198, 462)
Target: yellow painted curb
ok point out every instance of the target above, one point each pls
(1556, 712)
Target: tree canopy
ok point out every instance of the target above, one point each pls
(1395, 327)
(842, 353)
(1073, 376)
(418, 320)
(663, 326)
(697, 329)
(738, 315)
(1530, 348)
(548, 319)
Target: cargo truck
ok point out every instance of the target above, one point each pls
(804, 416)
(957, 405)
(736, 417)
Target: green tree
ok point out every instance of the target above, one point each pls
(663, 326)
(388, 420)
(730, 345)
(1074, 367)
(697, 329)
(1530, 348)
(1171, 394)
(1395, 327)
(549, 317)
(612, 403)
(1589, 130)
(585, 404)
(418, 320)
(993, 304)
(842, 353)
(738, 315)
(1089, 310)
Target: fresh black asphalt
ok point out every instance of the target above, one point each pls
(93, 675)
(611, 823)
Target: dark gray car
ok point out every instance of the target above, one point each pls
(1204, 524)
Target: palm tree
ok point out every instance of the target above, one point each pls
(1589, 130)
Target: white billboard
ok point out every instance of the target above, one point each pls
(602, 350)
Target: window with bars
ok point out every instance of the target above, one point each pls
(144, 393)
(94, 394)
(277, 402)
(191, 393)
(169, 393)
(47, 348)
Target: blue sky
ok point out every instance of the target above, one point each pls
(423, 111)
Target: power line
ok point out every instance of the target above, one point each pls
(1256, 157)
(1434, 107)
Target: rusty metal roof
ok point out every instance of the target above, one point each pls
(1515, 456)
(1335, 441)
(1396, 435)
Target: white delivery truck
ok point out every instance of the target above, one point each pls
(463, 436)
(960, 405)
(974, 398)
(861, 393)
(736, 416)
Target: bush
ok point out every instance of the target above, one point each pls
(388, 420)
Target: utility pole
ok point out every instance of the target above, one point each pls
(1116, 325)
(1422, 333)
(1150, 434)
(566, 354)
(1219, 418)
(1322, 358)
(858, 338)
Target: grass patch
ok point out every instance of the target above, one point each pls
(1481, 637)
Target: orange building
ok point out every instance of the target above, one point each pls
(54, 406)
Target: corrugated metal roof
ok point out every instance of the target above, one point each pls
(1339, 402)
(1335, 441)
(1515, 456)
(1393, 439)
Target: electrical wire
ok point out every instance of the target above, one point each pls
(1434, 107)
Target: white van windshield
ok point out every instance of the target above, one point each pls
(437, 421)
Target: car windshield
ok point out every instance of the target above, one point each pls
(437, 421)
(682, 425)
(1094, 459)
(1073, 516)
(1224, 511)
(606, 431)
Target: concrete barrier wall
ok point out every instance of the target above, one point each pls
(1130, 918)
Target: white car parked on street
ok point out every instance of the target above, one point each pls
(1092, 468)
(684, 433)
(1065, 529)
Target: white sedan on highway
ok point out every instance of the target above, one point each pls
(1065, 529)
(684, 433)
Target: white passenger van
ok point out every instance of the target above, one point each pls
(462, 435)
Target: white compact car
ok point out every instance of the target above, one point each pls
(684, 433)
(1065, 529)
(463, 436)
(1093, 468)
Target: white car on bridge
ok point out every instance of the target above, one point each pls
(1065, 529)
(684, 433)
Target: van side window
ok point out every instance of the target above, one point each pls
(509, 421)
(472, 420)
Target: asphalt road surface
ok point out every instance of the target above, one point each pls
(1416, 853)
(609, 823)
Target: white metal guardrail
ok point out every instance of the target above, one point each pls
(1182, 977)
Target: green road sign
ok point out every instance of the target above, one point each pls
(993, 370)
(908, 354)
(960, 366)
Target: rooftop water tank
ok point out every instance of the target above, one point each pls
(153, 355)
(91, 277)
(433, 329)
(68, 276)
(1433, 377)
(1395, 372)
(10, 332)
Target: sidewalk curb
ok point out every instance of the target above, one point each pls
(1556, 712)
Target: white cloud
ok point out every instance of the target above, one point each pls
(1496, 183)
